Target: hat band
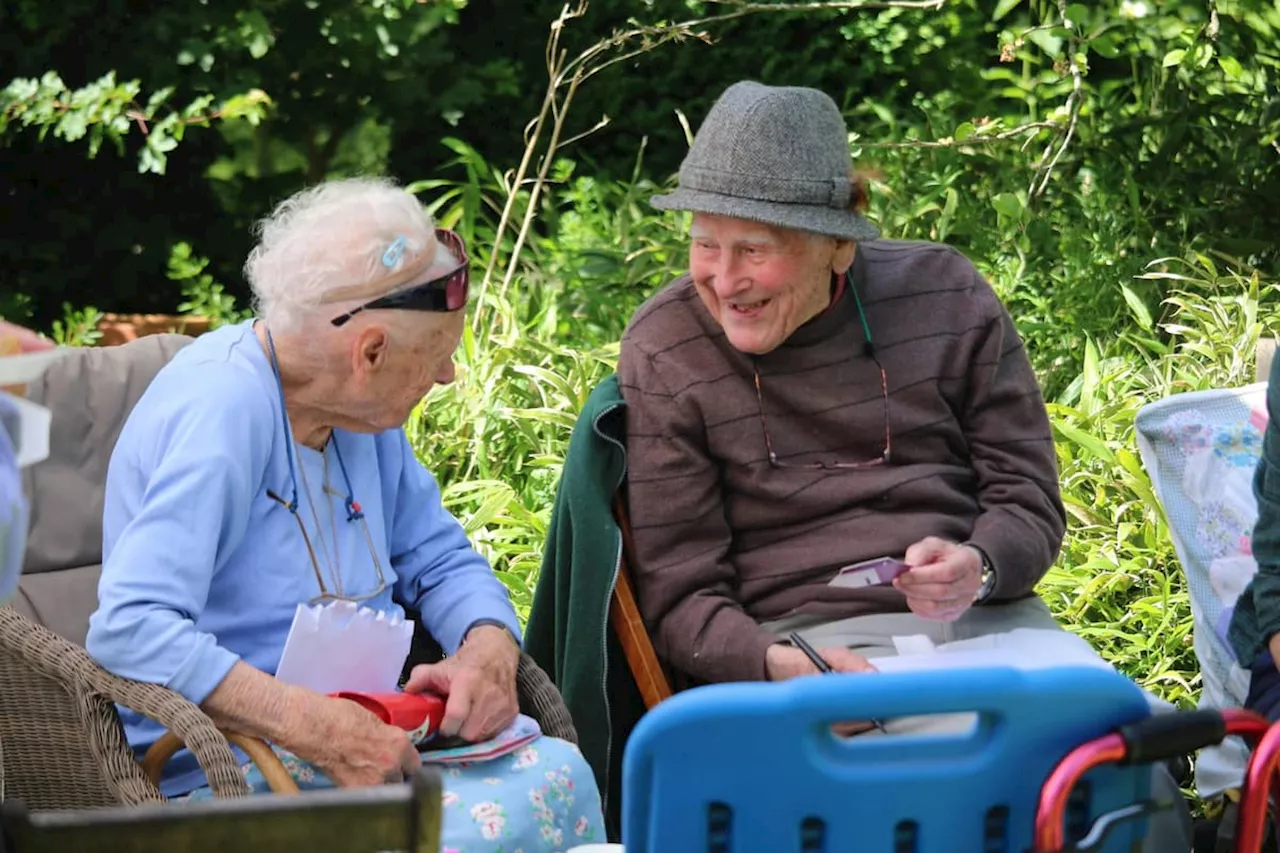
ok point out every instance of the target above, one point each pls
(830, 192)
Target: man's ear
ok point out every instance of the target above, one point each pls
(842, 257)
(372, 347)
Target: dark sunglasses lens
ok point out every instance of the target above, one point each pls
(455, 290)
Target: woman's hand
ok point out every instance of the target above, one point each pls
(478, 683)
(352, 747)
(16, 339)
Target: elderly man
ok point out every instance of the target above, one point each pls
(810, 397)
(13, 507)
(266, 466)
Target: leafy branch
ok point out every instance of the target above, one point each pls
(106, 111)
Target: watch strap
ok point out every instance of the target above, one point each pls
(988, 574)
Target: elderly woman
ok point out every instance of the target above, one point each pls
(13, 506)
(266, 466)
(828, 433)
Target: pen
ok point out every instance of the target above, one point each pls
(817, 660)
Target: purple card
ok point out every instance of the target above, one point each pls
(881, 570)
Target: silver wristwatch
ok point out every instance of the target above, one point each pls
(988, 575)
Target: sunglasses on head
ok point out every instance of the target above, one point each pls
(446, 293)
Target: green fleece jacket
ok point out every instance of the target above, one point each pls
(568, 630)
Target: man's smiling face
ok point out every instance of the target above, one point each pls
(760, 282)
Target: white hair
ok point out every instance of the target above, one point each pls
(333, 235)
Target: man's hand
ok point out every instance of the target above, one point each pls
(944, 578)
(1274, 646)
(479, 684)
(783, 661)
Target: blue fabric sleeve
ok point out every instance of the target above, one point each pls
(187, 466)
(439, 573)
(13, 509)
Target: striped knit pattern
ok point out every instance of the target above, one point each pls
(724, 540)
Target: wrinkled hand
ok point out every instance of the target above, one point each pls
(479, 683)
(14, 338)
(353, 747)
(784, 661)
(944, 578)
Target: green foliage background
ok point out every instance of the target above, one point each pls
(1111, 166)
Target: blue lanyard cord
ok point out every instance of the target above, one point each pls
(354, 512)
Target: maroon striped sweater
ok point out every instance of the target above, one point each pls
(724, 540)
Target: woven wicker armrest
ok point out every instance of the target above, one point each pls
(540, 700)
(46, 654)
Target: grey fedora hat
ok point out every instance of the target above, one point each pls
(772, 154)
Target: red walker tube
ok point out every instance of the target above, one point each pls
(1050, 834)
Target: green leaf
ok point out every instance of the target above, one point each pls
(1081, 438)
(1046, 41)
(1173, 57)
(1090, 376)
(1231, 67)
(1007, 204)
(1003, 8)
(1105, 46)
(1137, 306)
(1078, 15)
(256, 32)
(964, 131)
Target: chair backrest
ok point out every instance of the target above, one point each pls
(1200, 449)
(91, 391)
(754, 766)
(345, 820)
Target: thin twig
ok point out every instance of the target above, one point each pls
(976, 139)
(746, 8)
(601, 124)
(1074, 102)
(554, 56)
(531, 210)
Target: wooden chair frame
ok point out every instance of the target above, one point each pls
(624, 613)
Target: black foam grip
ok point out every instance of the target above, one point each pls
(1166, 736)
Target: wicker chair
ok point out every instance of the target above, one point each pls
(62, 745)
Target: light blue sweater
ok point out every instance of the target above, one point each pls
(201, 568)
(13, 508)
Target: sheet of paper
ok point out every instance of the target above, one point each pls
(1023, 648)
(914, 644)
(342, 646)
(32, 438)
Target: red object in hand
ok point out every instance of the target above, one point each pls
(419, 714)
